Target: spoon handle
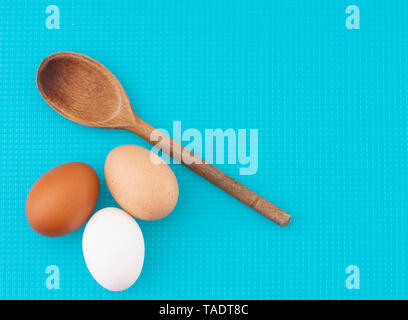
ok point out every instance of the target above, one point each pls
(209, 172)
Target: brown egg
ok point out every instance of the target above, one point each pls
(141, 182)
(62, 199)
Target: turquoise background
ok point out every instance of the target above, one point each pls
(330, 105)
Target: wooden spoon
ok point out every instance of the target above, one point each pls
(83, 90)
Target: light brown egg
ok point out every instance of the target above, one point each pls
(141, 182)
(62, 199)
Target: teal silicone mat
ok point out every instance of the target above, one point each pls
(330, 107)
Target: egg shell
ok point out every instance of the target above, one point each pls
(141, 182)
(62, 199)
(113, 248)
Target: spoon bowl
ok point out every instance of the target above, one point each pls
(83, 90)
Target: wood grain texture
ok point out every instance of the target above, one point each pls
(83, 90)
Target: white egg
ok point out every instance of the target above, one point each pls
(113, 248)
